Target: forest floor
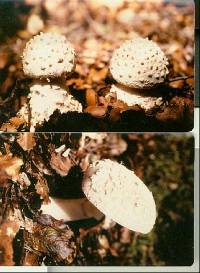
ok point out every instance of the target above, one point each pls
(95, 31)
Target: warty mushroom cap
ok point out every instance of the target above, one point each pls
(44, 99)
(120, 195)
(139, 63)
(130, 96)
(48, 55)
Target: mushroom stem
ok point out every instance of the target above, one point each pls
(44, 99)
(131, 96)
(73, 210)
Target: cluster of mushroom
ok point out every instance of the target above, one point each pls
(138, 65)
(47, 59)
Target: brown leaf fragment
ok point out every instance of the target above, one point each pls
(13, 124)
(40, 165)
(4, 57)
(58, 243)
(60, 163)
(91, 98)
(84, 163)
(8, 231)
(176, 110)
(125, 236)
(23, 180)
(31, 258)
(114, 115)
(42, 188)
(114, 252)
(26, 141)
(10, 166)
(114, 146)
(96, 111)
(97, 75)
(48, 220)
(76, 81)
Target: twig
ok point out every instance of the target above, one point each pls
(180, 78)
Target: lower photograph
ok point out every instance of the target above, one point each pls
(96, 199)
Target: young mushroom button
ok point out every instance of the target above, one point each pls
(48, 55)
(120, 195)
(139, 63)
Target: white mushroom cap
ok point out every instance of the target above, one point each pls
(44, 99)
(131, 97)
(120, 195)
(139, 63)
(48, 55)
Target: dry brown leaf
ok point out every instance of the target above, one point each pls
(96, 111)
(12, 125)
(84, 163)
(175, 110)
(97, 75)
(125, 236)
(8, 231)
(23, 180)
(26, 141)
(31, 259)
(114, 252)
(56, 242)
(60, 164)
(42, 188)
(10, 166)
(115, 114)
(4, 56)
(91, 97)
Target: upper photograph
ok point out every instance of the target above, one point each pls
(96, 65)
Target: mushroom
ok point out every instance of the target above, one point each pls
(120, 195)
(48, 55)
(44, 99)
(138, 65)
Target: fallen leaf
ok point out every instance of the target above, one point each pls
(96, 111)
(8, 231)
(26, 141)
(60, 163)
(42, 188)
(10, 166)
(13, 124)
(91, 97)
